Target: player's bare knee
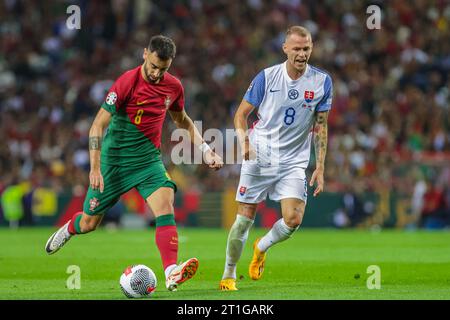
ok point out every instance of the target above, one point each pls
(293, 222)
(247, 210)
(295, 218)
(161, 201)
(166, 208)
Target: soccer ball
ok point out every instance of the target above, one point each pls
(138, 281)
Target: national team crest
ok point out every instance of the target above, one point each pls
(242, 190)
(93, 203)
(309, 96)
(167, 102)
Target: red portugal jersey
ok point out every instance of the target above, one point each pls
(138, 111)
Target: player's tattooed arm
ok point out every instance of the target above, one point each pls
(320, 144)
(95, 143)
(321, 138)
(100, 123)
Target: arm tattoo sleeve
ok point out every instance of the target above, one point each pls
(94, 143)
(321, 138)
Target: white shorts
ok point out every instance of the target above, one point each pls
(278, 182)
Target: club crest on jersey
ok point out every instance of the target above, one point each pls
(293, 94)
(309, 96)
(242, 190)
(111, 98)
(167, 102)
(93, 203)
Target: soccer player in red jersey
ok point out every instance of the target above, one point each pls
(129, 155)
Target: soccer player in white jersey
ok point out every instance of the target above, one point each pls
(292, 100)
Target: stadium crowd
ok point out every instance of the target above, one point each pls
(388, 128)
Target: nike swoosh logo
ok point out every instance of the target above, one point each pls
(274, 90)
(141, 102)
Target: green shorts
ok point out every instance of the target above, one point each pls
(119, 180)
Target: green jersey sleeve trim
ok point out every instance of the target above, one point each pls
(111, 108)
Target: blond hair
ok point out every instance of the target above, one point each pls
(298, 30)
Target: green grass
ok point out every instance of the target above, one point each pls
(314, 264)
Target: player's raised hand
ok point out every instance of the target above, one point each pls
(317, 177)
(213, 160)
(96, 180)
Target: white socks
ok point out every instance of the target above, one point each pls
(238, 236)
(236, 240)
(280, 231)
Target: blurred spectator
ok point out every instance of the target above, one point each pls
(435, 212)
(355, 210)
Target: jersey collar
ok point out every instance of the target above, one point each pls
(288, 78)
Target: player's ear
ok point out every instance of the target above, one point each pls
(144, 55)
(284, 48)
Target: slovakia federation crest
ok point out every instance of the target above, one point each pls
(167, 102)
(242, 190)
(293, 94)
(309, 96)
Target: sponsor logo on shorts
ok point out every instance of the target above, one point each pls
(242, 190)
(93, 203)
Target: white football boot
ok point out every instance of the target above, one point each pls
(181, 273)
(58, 239)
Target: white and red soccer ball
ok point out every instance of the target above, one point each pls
(138, 281)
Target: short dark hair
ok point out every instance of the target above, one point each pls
(164, 46)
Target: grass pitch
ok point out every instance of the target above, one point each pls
(313, 264)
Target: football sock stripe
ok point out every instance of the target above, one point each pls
(165, 220)
(74, 225)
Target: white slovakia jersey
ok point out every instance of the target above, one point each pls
(286, 111)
